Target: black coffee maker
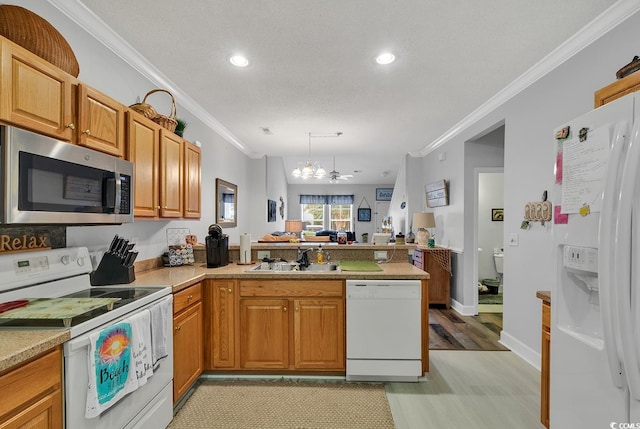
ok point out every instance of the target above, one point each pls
(217, 247)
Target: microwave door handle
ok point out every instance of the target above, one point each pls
(118, 199)
(112, 193)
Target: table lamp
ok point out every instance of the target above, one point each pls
(422, 221)
(293, 226)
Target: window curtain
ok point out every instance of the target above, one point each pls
(227, 198)
(326, 199)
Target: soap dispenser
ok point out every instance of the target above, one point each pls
(320, 255)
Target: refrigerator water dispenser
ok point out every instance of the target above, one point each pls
(578, 285)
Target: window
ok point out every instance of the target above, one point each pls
(334, 212)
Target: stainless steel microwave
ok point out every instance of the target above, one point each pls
(47, 181)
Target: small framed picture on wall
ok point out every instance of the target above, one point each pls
(497, 215)
(364, 215)
(271, 211)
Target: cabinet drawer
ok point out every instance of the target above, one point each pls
(546, 316)
(30, 381)
(186, 297)
(287, 288)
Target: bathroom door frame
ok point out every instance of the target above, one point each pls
(476, 202)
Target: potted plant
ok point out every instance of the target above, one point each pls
(182, 124)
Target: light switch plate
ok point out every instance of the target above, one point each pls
(513, 239)
(264, 254)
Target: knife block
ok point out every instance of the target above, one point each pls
(111, 271)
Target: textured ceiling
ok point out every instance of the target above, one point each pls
(312, 66)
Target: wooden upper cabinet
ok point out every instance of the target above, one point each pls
(100, 121)
(171, 174)
(35, 94)
(617, 89)
(144, 151)
(192, 159)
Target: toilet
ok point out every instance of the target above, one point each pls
(498, 258)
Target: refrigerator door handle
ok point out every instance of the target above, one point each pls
(622, 266)
(606, 232)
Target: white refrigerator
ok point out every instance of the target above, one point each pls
(595, 316)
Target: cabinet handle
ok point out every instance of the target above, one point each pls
(178, 328)
(71, 127)
(190, 297)
(297, 309)
(87, 132)
(284, 308)
(229, 290)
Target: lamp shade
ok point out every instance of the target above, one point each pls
(293, 225)
(424, 220)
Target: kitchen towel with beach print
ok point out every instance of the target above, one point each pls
(111, 371)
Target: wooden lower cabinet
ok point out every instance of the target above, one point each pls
(187, 339)
(545, 364)
(32, 394)
(319, 333)
(274, 325)
(264, 333)
(437, 262)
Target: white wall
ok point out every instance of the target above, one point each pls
(529, 119)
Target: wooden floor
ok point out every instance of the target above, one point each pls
(471, 389)
(448, 330)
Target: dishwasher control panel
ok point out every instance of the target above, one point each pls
(393, 289)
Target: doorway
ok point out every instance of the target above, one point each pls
(382, 210)
(489, 238)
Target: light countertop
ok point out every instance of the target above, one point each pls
(18, 346)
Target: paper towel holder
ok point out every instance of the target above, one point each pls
(246, 259)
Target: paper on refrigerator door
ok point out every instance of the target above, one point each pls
(584, 164)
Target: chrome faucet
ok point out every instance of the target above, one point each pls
(303, 259)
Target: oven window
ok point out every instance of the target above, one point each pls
(53, 185)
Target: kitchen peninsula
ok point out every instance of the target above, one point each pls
(214, 299)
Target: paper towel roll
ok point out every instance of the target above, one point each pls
(245, 248)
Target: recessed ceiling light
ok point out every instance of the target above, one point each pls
(385, 58)
(239, 61)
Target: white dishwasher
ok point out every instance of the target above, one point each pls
(384, 330)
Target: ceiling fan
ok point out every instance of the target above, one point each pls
(334, 175)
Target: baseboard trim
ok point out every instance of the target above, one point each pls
(519, 348)
(465, 310)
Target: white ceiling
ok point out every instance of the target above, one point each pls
(312, 67)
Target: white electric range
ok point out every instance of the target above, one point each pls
(42, 277)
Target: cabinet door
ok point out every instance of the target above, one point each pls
(46, 413)
(100, 121)
(223, 320)
(187, 349)
(192, 158)
(144, 151)
(171, 174)
(319, 333)
(545, 367)
(35, 94)
(264, 333)
(439, 281)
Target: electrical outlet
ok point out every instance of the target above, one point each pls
(264, 254)
(379, 254)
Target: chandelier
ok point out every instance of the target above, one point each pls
(312, 169)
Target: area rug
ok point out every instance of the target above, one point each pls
(490, 298)
(280, 403)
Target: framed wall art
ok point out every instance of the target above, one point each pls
(384, 194)
(437, 194)
(497, 215)
(271, 211)
(364, 215)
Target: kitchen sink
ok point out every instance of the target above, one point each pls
(292, 268)
(331, 266)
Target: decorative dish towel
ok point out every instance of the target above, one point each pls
(160, 312)
(111, 371)
(141, 336)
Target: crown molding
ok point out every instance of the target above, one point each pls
(606, 21)
(92, 24)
